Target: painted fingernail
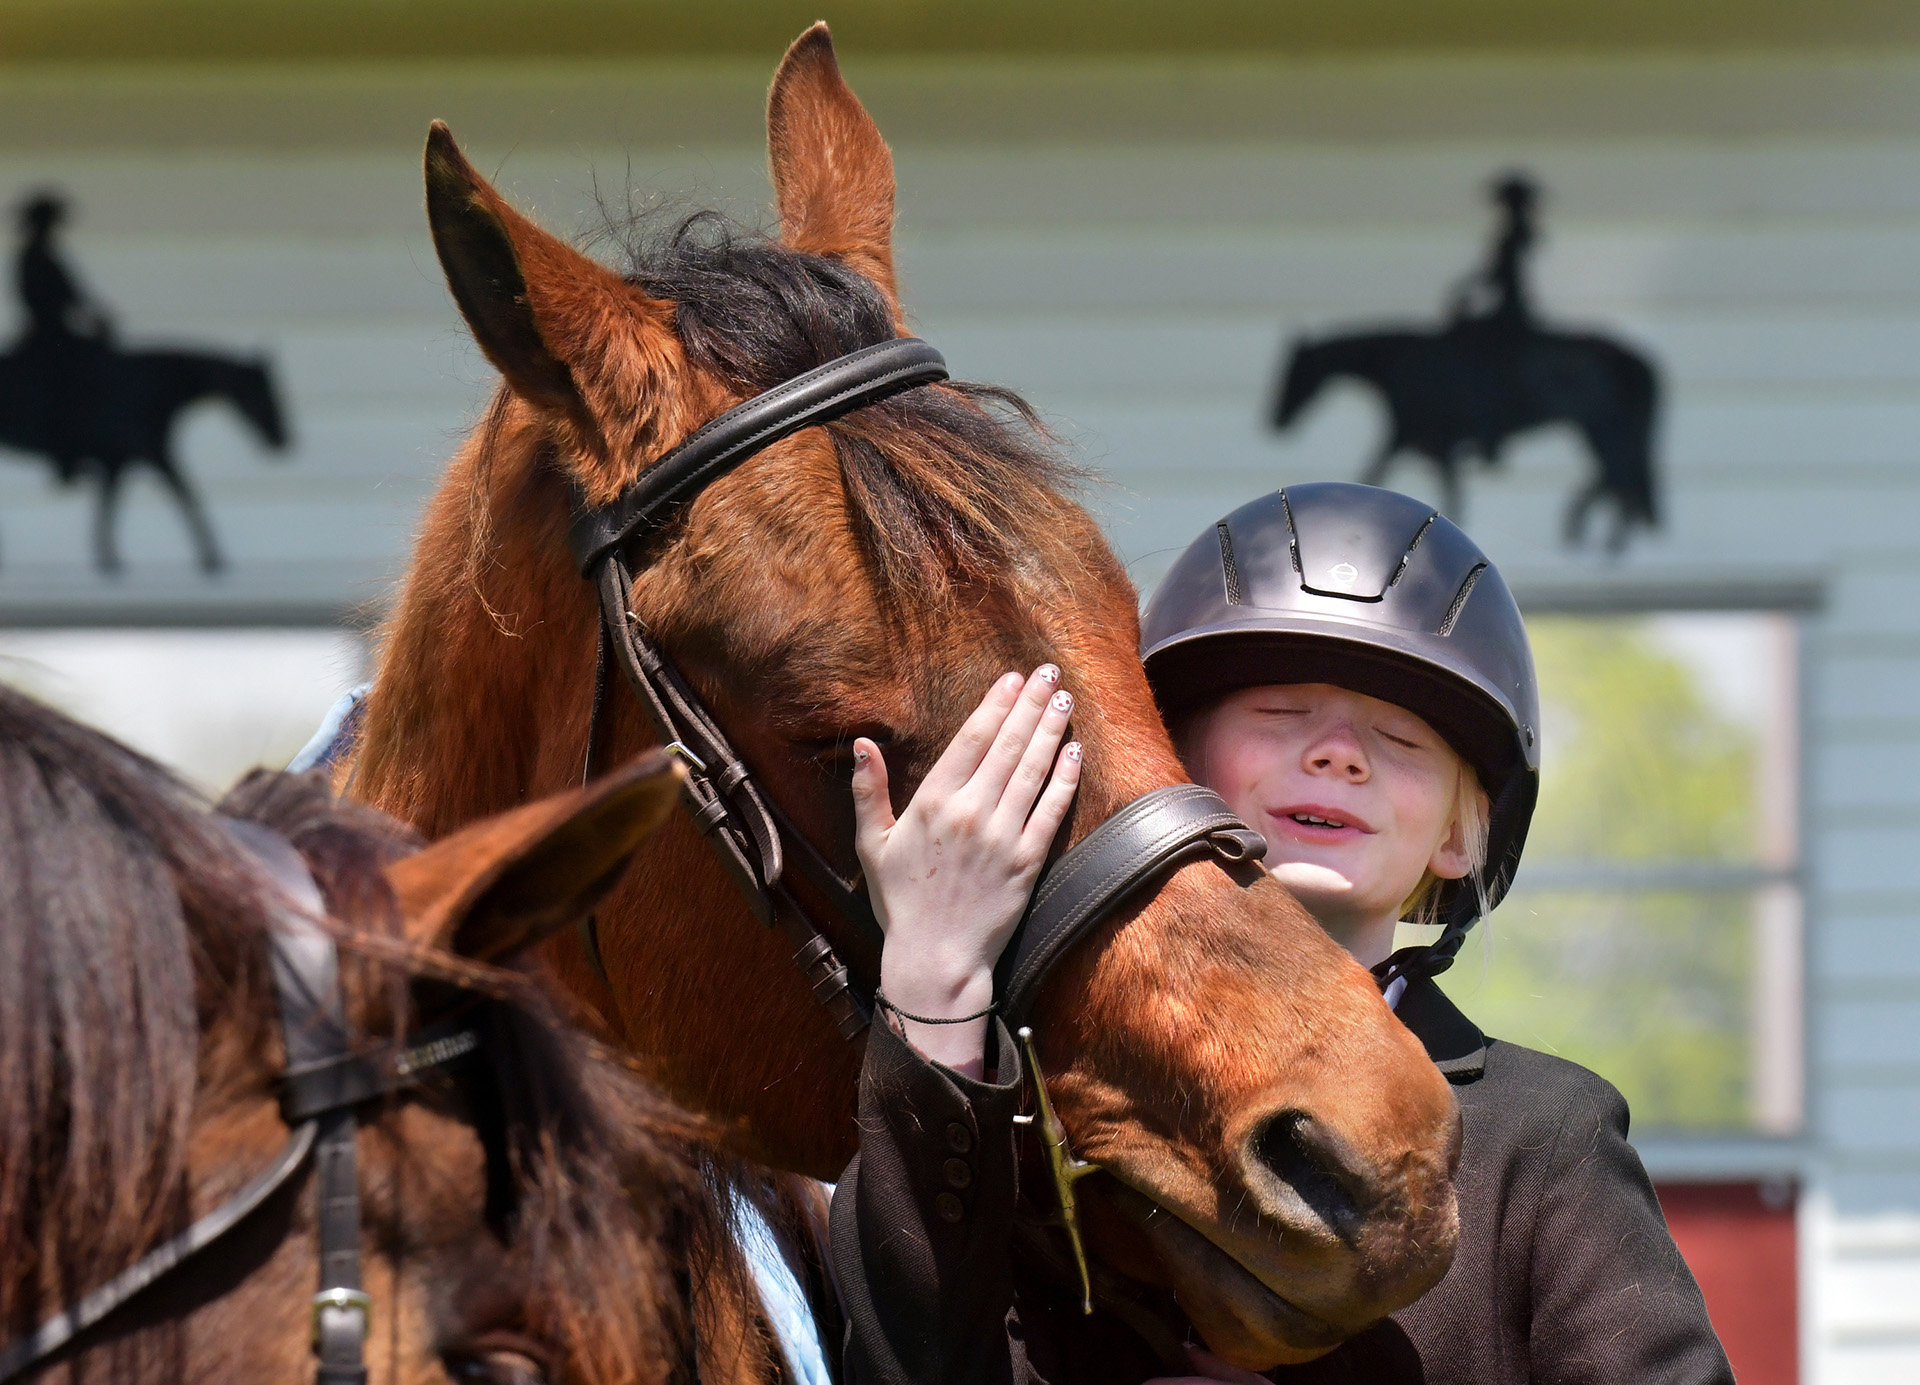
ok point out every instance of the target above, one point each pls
(1072, 752)
(861, 755)
(1061, 701)
(1047, 673)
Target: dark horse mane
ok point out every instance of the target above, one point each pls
(120, 903)
(134, 993)
(945, 486)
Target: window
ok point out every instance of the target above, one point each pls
(1653, 933)
(210, 703)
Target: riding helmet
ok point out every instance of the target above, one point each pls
(1377, 592)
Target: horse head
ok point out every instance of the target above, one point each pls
(1301, 379)
(1278, 1148)
(527, 1214)
(258, 399)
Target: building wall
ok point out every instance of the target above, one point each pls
(1130, 247)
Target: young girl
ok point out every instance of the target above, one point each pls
(1349, 672)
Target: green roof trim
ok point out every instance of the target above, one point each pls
(140, 31)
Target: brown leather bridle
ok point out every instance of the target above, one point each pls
(754, 838)
(757, 842)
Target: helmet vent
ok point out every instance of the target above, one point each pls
(1293, 535)
(1460, 599)
(1227, 568)
(1407, 557)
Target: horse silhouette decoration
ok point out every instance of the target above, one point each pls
(70, 395)
(1492, 372)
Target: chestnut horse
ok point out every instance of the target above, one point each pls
(540, 1218)
(1208, 1045)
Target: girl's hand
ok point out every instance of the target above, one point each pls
(952, 875)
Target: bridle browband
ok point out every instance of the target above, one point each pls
(324, 1088)
(754, 838)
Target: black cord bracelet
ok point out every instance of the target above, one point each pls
(885, 1004)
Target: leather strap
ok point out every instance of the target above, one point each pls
(306, 977)
(818, 396)
(746, 830)
(32, 1351)
(350, 1079)
(1161, 829)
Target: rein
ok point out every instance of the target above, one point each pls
(757, 842)
(325, 1085)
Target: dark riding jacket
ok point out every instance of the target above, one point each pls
(1565, 1271)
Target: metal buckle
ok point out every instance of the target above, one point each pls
(1066, 1169)
(346, 1300)
(679, 751)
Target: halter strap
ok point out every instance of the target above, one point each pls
(752, 837)
(817, 396)
(313, 1023)
(31, 1351)
(1160, 829)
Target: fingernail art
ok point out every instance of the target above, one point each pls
(1048, 673)
(1062, 701)
(1072, 752)
(861, 754)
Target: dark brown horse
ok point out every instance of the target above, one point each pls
(1278, 1148)
(542, 1219)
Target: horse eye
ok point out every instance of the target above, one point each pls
(496, 1368)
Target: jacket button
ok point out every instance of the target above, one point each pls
(959, 1138)
(958, 1174)
(949, 1207)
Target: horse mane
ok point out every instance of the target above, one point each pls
(948, 487)
(126, 918)
(133, 983)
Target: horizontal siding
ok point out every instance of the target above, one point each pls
(1869, 1033)
(1881, 772)
(1872, 948)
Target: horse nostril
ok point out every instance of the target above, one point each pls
(1319, 1174)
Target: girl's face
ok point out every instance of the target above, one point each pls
(1356, 797)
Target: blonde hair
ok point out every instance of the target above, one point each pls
(1470, 813)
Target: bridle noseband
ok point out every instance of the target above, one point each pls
(754, 839)
(324, 1088)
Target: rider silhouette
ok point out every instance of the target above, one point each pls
(64, 347)
(1496, 295)
(56, 307)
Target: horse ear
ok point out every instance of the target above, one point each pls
(503, 884)
(570, 336)
(832, 173)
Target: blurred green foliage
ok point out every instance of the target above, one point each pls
(1648, 988)
(1635, 764)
